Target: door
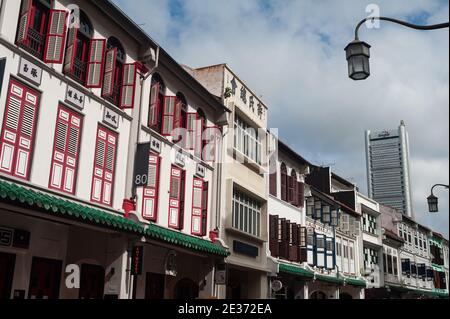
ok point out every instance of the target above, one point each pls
(45, 278)
(7, 262)
(92, 282)
(154, 286)
(186, 289)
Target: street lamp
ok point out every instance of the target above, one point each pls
(358, 52)
(433, 201)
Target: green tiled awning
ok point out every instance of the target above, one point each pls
(356, 282)
(295, 270)
(330, 279)
(60, 207)
(176, 238)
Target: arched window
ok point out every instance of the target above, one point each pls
(77, 50)
(114, 61)
(157, 93)
(284, 182)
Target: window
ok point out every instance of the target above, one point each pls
(104, 166)
(42, 31)
(284, 182)
(19, 129)
(66, 149)
(247, 140)
(370, 257)
(310, 207)
(114, 67)
(157, 93)
(273, 188)
(151, 192)
(181, 118)
(370, 224)
(395, 264)
(199, 142)
(274, 235)
(199, 207)
(326, 215)
(79, 49)
(292, 188)
(246, 214)
(176, 200)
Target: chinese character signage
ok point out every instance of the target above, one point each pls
(136, 260)
(30, 71)
(75, 97)
(155, 145)
(111, 118)
(200, 171)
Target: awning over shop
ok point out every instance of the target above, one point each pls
(176, 238)
(60, 207)
(431, 293)
(330, 279)
(356, 282)
(296, 270)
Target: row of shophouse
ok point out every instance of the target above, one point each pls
(148, 179)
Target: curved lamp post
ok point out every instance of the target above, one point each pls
(358, 52)
(433, 201)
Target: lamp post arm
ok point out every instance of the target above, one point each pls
(404, 23)
(441, 185)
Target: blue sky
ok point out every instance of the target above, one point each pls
(292, 53)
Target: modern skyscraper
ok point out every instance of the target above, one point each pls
(388, 177)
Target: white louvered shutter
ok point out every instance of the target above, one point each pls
(154, 109)
(197, 207)
(169, 107)
(175, 196)
(128, 88)
(24, 21)
(56, 37)
(151, 192)
(63, 174)
(19, 126)
(198, 138)
(110, 71)
(191, 123)
(70, 51)
(95, 63)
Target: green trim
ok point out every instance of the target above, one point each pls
(330, 279)
(296, 270)
(176, 238)
(64, 208)
(431, 293)
(438, 268)
(356, 282)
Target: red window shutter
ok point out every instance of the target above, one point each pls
(151, 192)
(95, 63)
(290, 189)
(284, 191)
(197, 207)
(70, 51)
(66, 148)
(24, 21)
(273, 235)
(176, 200)
(294, 191)
(293, 249)
(169, 112)
(110, 71)
(284, 239)
(104, 166)
(56, 37)
(198, 138)
(155, 105)
(128, 86)
(178, 118)
(205, 209)
(301, 194)
(190, 130)
(19, 129)
(273, 184)
(211, 136)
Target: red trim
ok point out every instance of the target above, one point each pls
(199, 209)
(178, 202)
(155, 190)
(25, 12)
(111, 72)
(64, 162)
(155, 103)
(101, 169)
(190, 138)
(14, 138)
(50, 35)
(91, 63)
(74, 45)
(170, 117)
(124, 85)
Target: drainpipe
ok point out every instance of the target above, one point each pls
(129, 202)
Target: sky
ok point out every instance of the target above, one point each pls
(291, 52)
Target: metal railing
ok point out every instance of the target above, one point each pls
(35, 43)
(115, 96)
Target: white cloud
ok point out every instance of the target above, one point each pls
(292, 53)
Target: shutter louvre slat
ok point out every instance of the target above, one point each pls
(95, 63)
(56, 37)
(128, 86)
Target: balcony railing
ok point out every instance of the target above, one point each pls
(35, 43)
(79, 70)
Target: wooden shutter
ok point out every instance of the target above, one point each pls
(205, 209)
(71, 51)
(310, 243)
(155, 105)
(175, 197)
(329, 245)
(110, 72)
(294, 200)
(273, 184)
(24, 21)
(284, 177)
(66, 149)
(169, 107)
(151, 192)
(19, 128)
(300, 194)
(303, 244)
(320, 251)
(197, 207)
(211, 136)
(95, 63)
(56, 37)
(284, 239)
(198, 139)
(190, 130)
(273, 235)
(104, 166)
(294, 245)
(128, 89)
(290, 180)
